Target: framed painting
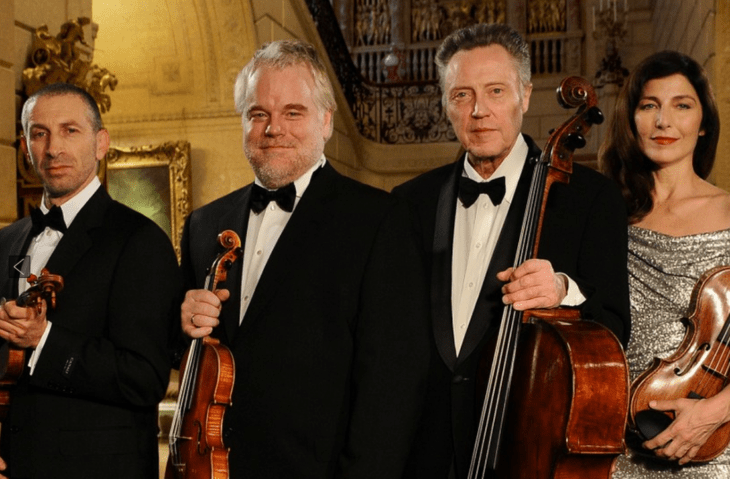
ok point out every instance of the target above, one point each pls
(154, 180)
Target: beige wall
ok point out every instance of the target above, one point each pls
(700, 29)
(721, 174)
(176, 62)
(18, 21)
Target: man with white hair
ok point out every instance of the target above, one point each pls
(470, 217)
(326, 313)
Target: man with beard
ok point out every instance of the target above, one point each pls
(326, 313)
(98, 364)
(471, 238)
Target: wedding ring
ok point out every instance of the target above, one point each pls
(192, 320)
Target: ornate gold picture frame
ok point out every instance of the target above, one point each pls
(154, 180)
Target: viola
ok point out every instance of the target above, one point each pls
(12, 359)
(197, 448)
(697, 369)
(555, 388)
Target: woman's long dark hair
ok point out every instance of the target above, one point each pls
(620, 157)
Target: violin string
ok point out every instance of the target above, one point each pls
(718, 362)
(187, 386)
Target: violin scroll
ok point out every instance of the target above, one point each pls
(218, 271)
(44, 287)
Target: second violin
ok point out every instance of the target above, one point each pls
(697, 370)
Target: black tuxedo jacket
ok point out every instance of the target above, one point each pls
(332, 354)
(90, 407)
(584, 236)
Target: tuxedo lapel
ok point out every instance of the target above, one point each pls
(77, 240)
(443, 244)
(236, 219)
(295, 240)
(489, 306)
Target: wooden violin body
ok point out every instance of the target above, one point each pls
(555, 388)
(200, 443)
(197, 448)
(698, 369)
(12, 359)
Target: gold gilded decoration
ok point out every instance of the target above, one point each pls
(67, 58)
(432, 20)
(154, 180)
(546, 16)
(372, 22)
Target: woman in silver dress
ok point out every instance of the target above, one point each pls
(660, 149)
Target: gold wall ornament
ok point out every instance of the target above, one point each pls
(154, 180)
(67, 58)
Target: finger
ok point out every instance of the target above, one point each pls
(663, 404)
(689, 456)
(223, 294)
(202, 296)
(196, 333)
(534, 303)
(505, 275)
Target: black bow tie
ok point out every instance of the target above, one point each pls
(284, 197)
(54, 219)
(469, 190)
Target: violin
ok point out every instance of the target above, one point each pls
(12, 359)
(197, 449)
(555, 388)
(698, 369)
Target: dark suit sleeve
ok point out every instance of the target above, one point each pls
(602, 263)
(391, 355)
(596, 253)
(128, 362)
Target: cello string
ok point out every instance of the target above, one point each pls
(494, 408)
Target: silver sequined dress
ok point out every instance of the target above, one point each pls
(662, 273)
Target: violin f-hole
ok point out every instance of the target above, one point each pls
(693, 360)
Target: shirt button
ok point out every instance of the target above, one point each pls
(471, 285)
(245, 298)
(49, 232)
(259, 252)
(272, 207)
(462, 326)
(478, 245)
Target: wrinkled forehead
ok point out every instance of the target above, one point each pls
(482, 65)
(62, 108)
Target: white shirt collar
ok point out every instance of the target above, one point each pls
(510, 168)
(72, 207)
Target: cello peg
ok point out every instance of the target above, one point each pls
(575, 141)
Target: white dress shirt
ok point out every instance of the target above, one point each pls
(264, 230)
(476, 232)
(42, 246)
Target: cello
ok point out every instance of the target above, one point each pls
(698, 369)
(555, 388)
(12, 359)
(197, 449)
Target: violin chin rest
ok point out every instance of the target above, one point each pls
(649, 423)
